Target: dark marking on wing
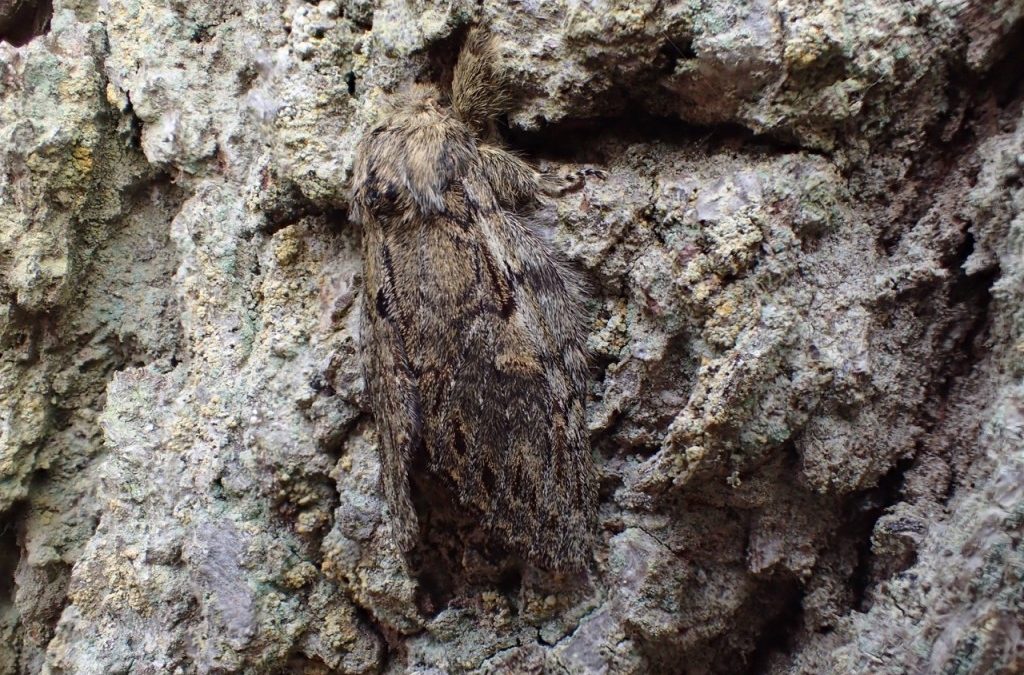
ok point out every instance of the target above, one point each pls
(504, 292)
(489, 480)
(382, 304)
(381, 197)
(389, 264)
(458, 438)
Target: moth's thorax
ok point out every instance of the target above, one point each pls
(408, 163)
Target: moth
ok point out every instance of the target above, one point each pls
(472, 331)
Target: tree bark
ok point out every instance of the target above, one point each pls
(806, 272)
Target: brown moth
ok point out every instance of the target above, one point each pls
(472, 334)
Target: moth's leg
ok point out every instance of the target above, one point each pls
(514, 181)
(572, 182)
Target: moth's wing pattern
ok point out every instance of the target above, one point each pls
(382, 196)
(507, 428)
(392, 388)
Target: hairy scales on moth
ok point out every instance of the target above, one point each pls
(472, 335)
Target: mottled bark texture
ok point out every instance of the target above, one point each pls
(807, 393)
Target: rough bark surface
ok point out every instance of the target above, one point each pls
(807, 402)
